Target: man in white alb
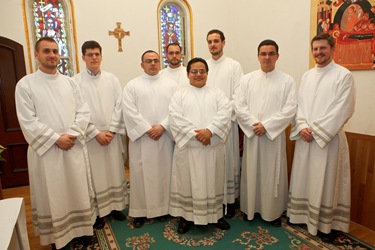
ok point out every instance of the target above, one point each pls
(175, 69)
(319, 192)
(145, 108)
(225, 74)
(102, 91)
(54, 120)
(200, 122)
(265, 105)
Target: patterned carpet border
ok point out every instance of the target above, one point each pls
(255, 234)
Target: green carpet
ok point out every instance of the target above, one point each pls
(243, 234)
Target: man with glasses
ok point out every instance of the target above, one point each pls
(145, 108)
(175, 69)
(102, 91)
(265, 104)
(200, 123)
(225, 74)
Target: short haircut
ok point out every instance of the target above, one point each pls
(324, 36)
(46, 38)
(195, 60)
(173, 44)
(269, 42)
(148, 51)
(90, 45)
(216, 31)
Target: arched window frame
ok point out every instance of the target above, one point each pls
(70, 34)
(186, 15)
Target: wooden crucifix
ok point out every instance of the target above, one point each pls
(119, 33)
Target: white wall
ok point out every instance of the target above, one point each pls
(245, 23)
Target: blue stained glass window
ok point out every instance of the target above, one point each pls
(49, 20)
(171, 28)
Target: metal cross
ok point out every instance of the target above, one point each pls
(119, 33)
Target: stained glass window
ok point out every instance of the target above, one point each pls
(49, 20)
(174, 17)
(170, 27)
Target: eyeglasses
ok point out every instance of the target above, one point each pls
(174, 53)
(273, 53)
(196, 71)
(93, 54)
(152, 60)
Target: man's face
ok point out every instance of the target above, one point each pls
(93, 59)
(48, 56)
(322, 53)
(151, 63)
(215, 45)
(196, 78)
(267, 57)
(174, 56)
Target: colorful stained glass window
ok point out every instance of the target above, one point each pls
(49, 20)
(171, 28)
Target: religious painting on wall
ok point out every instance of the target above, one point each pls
(49, 20)
(171, 28)
(352, 24)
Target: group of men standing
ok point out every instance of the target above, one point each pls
(183, 125)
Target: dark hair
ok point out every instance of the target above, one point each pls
(90, 45)
(46, 38)
(215, 31)
(148, 51)
(173, 44)
(269, 42)
(195, 60)
(324, 36)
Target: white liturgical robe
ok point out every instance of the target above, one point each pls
(145, 104)
(319, 193)
(198, 174)
(268, 98)
(103, 94)
(179, 75)
(60, 182)
(225, 74)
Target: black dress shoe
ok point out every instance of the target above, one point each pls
(117, 215)
(86, 240)
(138, 222)
(328, 238)
(53, 246)
(276, 223)
(99, 223)
(162, 218)
(245, 217)
(231, 210)
(222, 224)
(183, 226)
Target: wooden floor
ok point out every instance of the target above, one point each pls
(355, 229)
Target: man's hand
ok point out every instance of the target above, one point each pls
(156, 132)
(204, 136)
(110, 135)
(259, 130)
(65, 142)
(104, 138)
(306, 134)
